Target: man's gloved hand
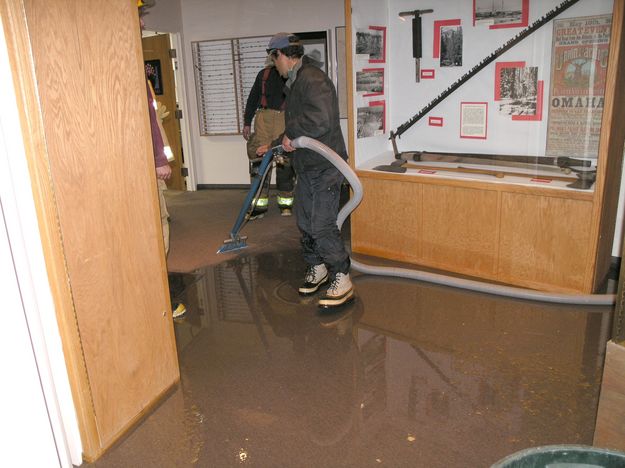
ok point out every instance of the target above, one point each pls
(161, 111)
(247, 130)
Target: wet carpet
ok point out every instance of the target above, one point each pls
(408, 375)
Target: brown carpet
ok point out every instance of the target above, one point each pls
(200, 221)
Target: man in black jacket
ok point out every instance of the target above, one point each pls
(312, 111)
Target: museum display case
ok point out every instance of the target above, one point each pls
(487, 136)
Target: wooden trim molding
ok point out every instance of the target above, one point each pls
(349, 56)
(20, 56)
(611, 142)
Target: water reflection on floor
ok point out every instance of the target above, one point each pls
(409, 374)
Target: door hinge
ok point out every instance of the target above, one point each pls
(178, 114)
(184, 171)
(172, 53)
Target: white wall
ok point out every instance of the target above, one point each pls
(164, 16)
(222, 159)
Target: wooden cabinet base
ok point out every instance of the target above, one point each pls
(539, 239)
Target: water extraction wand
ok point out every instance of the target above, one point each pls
(236, 241)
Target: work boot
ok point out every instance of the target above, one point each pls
(285, 203)
(178, 310)
(316, 275)
(260, 208)
(339, 292)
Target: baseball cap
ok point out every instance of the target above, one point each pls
(281, 41)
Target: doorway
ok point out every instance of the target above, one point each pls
(158, 56)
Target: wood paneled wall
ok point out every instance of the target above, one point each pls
(81, 89)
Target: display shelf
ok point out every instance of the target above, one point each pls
(551, 177)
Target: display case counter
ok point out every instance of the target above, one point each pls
(522, 234)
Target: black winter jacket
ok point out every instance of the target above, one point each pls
(274, 92)
(312, 110)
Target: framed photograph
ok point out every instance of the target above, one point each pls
(370, 82)
(516, 88)
(371, 120)
(438, 26)
(501, 14)
(451, 46)
(316, 47)
(154, 74)
(473, 120)
(372, 42)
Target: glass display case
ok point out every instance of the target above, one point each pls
(504, 154)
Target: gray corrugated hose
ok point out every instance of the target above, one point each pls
(473, 285)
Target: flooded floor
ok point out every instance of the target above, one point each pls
(408, 375)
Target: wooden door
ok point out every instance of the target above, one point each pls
(80, 83)
(156, 53)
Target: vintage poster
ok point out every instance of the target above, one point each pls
(579, 62)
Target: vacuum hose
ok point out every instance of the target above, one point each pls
(473, 285)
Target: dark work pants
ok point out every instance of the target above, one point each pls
(317, 196)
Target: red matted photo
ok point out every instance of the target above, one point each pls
(436, 45)
(518, 91)
(380, 105)
(370, 81)
(501, 14)
(371, 120)
(372, 42)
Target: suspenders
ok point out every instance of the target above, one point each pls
(263, 96)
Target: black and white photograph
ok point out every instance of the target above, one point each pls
(451, 46)
(315, 48)
(518, 90)
(370, 120)
(499, 12)
(316, 56)
(371, 42)
(370, 81)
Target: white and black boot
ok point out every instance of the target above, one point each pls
(316, 276)
(340, 291)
